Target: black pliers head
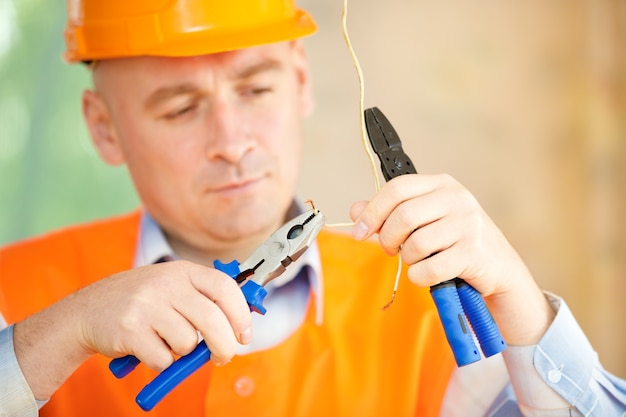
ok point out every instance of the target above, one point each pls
(387, 145)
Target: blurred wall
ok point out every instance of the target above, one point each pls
(523, 102)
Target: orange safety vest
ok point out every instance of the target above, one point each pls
(360, 361)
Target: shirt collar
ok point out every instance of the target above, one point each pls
(152, 245)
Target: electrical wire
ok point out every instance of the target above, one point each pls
(364, 138)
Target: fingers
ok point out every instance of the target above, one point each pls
(403, 205)
(437, 224)
(225, 318)
(157, 311)
(430, 239)
(442, 266)
(154, 352)
(397, 191)
(210, 302)
(226, 294)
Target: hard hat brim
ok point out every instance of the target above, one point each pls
(190, 43)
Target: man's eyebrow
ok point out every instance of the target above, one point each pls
(165, 93)
(263, 66)
(248, 71)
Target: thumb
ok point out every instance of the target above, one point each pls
(360, 230)
(356, 209)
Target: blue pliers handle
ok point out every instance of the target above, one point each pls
(455, 299)
(267, 262)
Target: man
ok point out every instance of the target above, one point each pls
(203, 101)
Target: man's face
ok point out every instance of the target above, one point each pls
(212, 143)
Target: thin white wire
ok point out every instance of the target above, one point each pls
(357, 66)
(364, 140)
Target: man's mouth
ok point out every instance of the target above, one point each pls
(236, 187)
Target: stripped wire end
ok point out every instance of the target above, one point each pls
(395, 284)
(393, 297)
(310, 202)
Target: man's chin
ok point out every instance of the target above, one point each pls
(244, 221)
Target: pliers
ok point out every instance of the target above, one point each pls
(267, 262)
(455, 299)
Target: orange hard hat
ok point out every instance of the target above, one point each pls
(100, 29)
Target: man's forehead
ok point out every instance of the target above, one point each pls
(245, 62)
(155, 79)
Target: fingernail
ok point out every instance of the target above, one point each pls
(246, 336)
(220, 364)
(360, 230)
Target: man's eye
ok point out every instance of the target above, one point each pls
(257, 91)
(179, 112)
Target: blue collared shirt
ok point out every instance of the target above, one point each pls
(560, 376)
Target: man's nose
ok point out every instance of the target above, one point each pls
(229, 135)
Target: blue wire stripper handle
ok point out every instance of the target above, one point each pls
(455, 299)
(267, 262)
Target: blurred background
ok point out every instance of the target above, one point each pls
(523, 102)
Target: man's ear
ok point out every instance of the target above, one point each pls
(101, 129)
(307, 102)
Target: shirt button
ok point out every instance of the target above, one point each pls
(554, 375)
(244, 386)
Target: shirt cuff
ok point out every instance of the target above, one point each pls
(16, 397)
(548, 377)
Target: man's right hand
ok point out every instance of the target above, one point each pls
(151, 312)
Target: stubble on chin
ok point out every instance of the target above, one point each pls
(246, 220)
